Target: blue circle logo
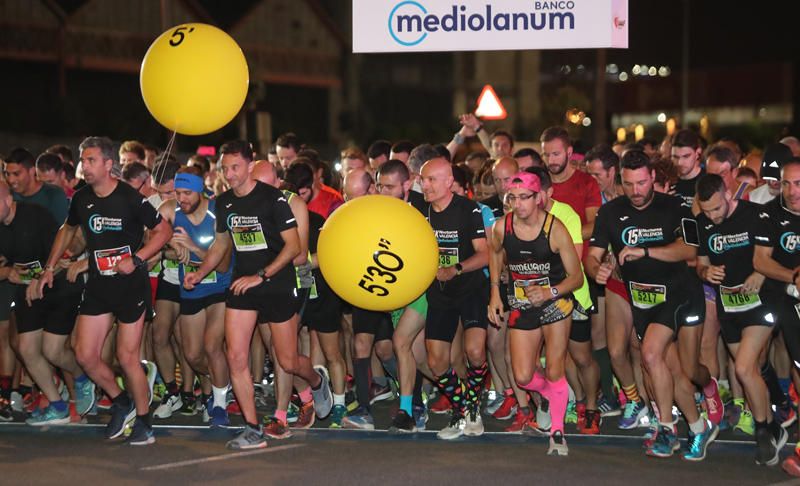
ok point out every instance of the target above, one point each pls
(407, 18)
(96, 223)
(790, 241)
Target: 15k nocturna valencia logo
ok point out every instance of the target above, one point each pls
(99, 224)
(410, 22)
(789, 242)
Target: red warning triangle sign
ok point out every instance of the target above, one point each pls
(489, 105)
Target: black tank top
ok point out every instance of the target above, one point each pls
(530, 262)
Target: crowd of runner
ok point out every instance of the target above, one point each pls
(632, 284)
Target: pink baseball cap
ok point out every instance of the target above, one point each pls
(525, 180)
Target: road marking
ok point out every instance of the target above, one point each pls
(222, 457)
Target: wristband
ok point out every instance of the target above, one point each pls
(480, 127)
(646, 253)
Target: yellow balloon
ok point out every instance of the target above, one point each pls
(194, 79)
(378, 253)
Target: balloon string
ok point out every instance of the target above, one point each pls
(165, 158)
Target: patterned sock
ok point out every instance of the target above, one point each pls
(631, 393)
(454, 389)
(476, 378)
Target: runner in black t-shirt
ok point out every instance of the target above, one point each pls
(777, 256)
(725, 259)
(113, 217)
(643, 230)
(544, 269)
(460, 291)
(43, 323)
(256, 219)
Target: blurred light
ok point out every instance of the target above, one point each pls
(565, 69)
(337, 166)
(664, 71)
(704, 126)
(671, 126)
(652, 71)
(638, 132)
(762, 112)
(662, 117)
(612, 69)
(586, 121)
(643, 70)
(621, 135)
(623, 76)
(636, 70)
(574, 116)
(581, 68)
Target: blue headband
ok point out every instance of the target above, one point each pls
(189, 181)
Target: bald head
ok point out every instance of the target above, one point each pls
(265, 172)
(358, 183)
(437, 180)
(502, 171)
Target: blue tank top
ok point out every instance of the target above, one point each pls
(203, 236)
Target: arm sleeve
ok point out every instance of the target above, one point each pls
(765, 231)
(282, 216)
(593, 199)
(600, 233)
(476, 228)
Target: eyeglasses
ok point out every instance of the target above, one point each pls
(511, 199)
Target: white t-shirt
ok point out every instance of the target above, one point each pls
(761, 195)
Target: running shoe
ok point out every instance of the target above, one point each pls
(360, 419)
(441, 405)
(533, 429)
(74, 416)
(745, 423)
(104, 403)
(378, 393)
(454, 429)
(633, 416)
(791, 465)
(608, 407)
(276, 429)
(714, 405)
(402, 423)
(543, 418)
(338, 413)
(260, 396)
(473, 427)
(785, 414)
(665, 444)
(323, 397)
(558, 445)
(159, 390)
(793, 396)
(571, 416)
(84, 396)
(507, 409)
(725, 393)
(218, 416)
(420, 416)
(580, 411)
(141, 434)
(121, 418)
(520, 419)
(292, 413)
(249, 438)
(698, 444)
(49, 416)
(494, 401)
(233, 408)
(191, 405)
(768, 447)
(16, 402)
(305, 416)
(591, 424)
(169, 404)
(150, 371)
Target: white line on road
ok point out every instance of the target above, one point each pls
(223, 457)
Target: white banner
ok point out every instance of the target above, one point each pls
(485, 25)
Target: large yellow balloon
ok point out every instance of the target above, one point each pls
(378, 253)
(194, 79)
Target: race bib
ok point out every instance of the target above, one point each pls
(107, 259)
(171, 271)
(249, 237)
(734, 299)
(448, 257)
(313, 292)
(519, 286)
(646, 296)
(28, 271)
(192, 267)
